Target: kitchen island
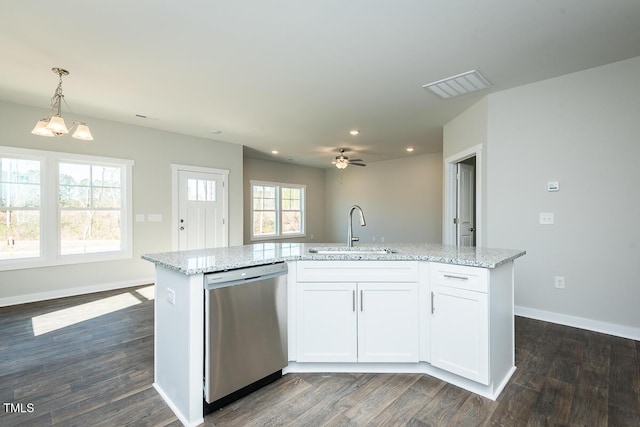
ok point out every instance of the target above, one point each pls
(440, 310)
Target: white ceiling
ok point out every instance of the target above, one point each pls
(297, 75)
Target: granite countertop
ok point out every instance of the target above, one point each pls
(229, 258)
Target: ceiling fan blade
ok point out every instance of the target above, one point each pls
(357, 164)
(356, 160)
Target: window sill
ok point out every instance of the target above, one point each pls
(274, 237)
(27, 263)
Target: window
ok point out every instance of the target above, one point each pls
(60, 208)
(201, 190)
(277, 210)
(19, 207)
(89, 203)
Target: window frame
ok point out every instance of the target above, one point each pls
(278, 210)
(50, 242)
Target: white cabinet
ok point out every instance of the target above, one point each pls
(461, 321)
(460, 332)
(388, 322)
(327, 329)
(356, 321)
(450, 321)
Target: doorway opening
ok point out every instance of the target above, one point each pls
(462, 198)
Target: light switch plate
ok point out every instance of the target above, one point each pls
(546, 218)
(553, 186)
(154, 217)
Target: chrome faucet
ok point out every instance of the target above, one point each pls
(350, 237)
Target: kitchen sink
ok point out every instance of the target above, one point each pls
(351, 251)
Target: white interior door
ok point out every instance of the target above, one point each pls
(201, 210)
(465, 206)
(450, 208)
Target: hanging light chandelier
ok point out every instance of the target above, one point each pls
(54, 125)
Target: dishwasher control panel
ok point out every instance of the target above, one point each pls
(239, 275)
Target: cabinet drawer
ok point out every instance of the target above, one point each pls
(357, 271)
(460, 276)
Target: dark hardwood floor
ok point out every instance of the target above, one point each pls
(98, 372)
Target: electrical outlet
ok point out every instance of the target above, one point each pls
(559, 280)
(171, 296)
(546, 218)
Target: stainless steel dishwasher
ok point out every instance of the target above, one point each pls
(245, 331)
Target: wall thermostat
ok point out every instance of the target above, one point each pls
(553, 186)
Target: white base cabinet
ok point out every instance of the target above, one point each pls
(327, 328)
(472, 321)
(388, 322)
(460, 332)
(453, 322)
(365, 321)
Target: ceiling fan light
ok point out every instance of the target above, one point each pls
(41, 128)
(342, 163)
(57, 125)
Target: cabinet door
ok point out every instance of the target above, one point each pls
(460, 332)
(327, 322)
(388, 322)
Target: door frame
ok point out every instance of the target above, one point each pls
(175, 208)
(449, 203)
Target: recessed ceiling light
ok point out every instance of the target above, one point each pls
(458, 85)
(354, 132)
(274, 151)
(410, 149)
(216, 131)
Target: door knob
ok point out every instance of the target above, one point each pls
(472, 229)
(181, 228)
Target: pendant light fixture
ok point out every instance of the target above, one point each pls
(54, 125)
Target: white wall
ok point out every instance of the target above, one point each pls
(313, 178)
(401, 200)
(153, 151)
(466, 130)
(582, 130)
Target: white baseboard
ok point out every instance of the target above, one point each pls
(183, 419)
(579, 322)
(62, 293)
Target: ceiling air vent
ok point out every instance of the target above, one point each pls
(458, 85)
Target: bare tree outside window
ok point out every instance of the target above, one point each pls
(278, 210)
(19, 208)
(90, 208)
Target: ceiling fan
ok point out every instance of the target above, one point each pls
(343, 161)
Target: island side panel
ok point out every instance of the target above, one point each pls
(292, 312)
(179, 348)
(502, 341)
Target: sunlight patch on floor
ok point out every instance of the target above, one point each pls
(147, 292)
(69, 316)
